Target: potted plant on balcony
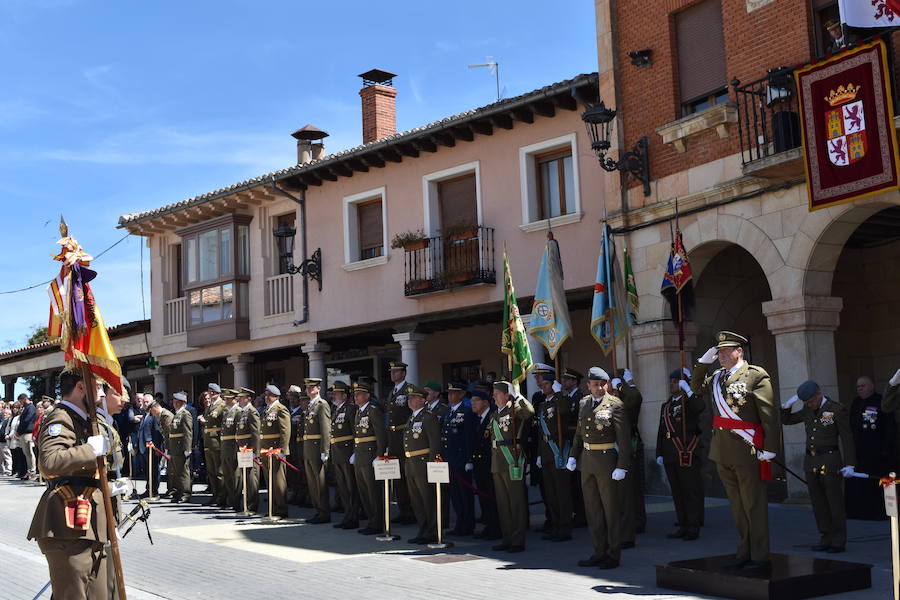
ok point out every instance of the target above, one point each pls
(452, 276)
(410, 240)
(417, 285)
(461, 230)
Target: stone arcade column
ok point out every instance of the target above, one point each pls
(161, 381)
(804, 328)
(239, 363)
(316, 357)
(9, 387)
(409, 353)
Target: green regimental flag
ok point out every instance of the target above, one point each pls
(513, 341)
(634, 303)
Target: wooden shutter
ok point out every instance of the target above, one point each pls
(701, 50)
(371, 231)
(457, 200)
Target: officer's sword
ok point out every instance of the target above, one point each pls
(776, 461)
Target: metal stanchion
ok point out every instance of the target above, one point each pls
(388, 536)
(438, 474)
(151, 497)
(890, 502)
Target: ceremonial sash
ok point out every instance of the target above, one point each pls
(515, 469)
(557, 456)
(752, 433)
(685, 454)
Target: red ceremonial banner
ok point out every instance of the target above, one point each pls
(847, 116)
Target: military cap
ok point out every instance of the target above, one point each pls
(546, 376)
(48, 399)
(312, 381)
(361, 386)
(503, 386)
(597, 374)
(832, 23)
(398, 365)
(303, 396)
(483, 385)
(542, 368)
(179, 396)
(296, 389)
(229, 393)
(273, 389)
(339, 386)
(480, 394)
(214, 387)
(573, 374)
(414, 390)
(807, 390)
(728, 339)
(246, 392)
(455, 386)
(433, 385)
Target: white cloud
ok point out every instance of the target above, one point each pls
(14, 112)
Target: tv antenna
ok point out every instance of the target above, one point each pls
(494, 67)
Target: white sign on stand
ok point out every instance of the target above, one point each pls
(245, 459)
(438, 472)
(890, 500)
(387, 469)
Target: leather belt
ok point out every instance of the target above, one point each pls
(609, 446)
(398, 427)
(226, 438)
(363, 440)
(176, 435)
(341, 438)
(821, 451)
(270, 436)
(55, 482)
(417, 452)
(312, 436)
(212, 429)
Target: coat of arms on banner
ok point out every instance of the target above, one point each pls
(846, 126)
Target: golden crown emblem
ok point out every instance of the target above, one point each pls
(842, 94)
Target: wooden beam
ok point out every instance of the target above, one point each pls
(444, 139)
(463, 133)
(523, 114)
(248, 198)
(482, 127)
(342, 169)
(390, 155)
(408, 150)
(545, 109)
(175, 219)
(235, 202)
(310, 179)
(565, 101)
(424, 144)
(358, 165)
(325, 173)
(503, 121)
(373, 160)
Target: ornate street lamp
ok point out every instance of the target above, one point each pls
(311, 268)
(636, 163)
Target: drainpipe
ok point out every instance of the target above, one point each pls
(302, 202)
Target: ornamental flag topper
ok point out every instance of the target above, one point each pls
(75, 321)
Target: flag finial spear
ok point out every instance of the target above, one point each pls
(63, 228)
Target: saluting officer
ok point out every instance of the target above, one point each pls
(826, 422)
(421, 445)
(247, 436)
(316, 446)
(211, 420)
(440, 410)
(228, 447)
(274, 434)
(458, 437)
(602, 450)
(481, 459)
(746, 434)
(342, 425)
(398, 413)
(370, 439)
(635, 512)
(891, 397)
(679, 454)
(181, 436)
(509, 428)
(554, 444)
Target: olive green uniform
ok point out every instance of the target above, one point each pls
(511, 495)
(179, 442)
(421, 445)
(822, 465)
(602, 444)
(891, 398)
(296, 481)
(317, 441)
(76, 556)
(114, 461)
(748, 392)
(247, 436)
(685, 476)
(370, 437)
(212, 450)
(553, 422)
(635, 511)
(398, 413)
(275, 433)
(342, 426)
(231, 493)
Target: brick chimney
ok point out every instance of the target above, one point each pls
(309, 144)
(379, 105)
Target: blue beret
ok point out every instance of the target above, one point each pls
(480, 394)
(214, 387)
(597, 374)
(807, 390)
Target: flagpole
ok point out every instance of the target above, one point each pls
(684, 397)
(559, 427)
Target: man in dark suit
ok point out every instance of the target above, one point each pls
(458, 437)
(481, 461)
(149, 431)
(23, 432)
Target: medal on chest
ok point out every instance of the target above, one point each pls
(735, 394)
(270, 418)
(504, 423)
(416, 429)
(364, 423)
(827, 418)
(870, 417)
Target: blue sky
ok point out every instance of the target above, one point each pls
(108, 108)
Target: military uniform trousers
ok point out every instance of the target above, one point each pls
(749, 506)
(401, 493)
(314, 469)
(179, 475)
(462, 499)
(213, 456)
(345, 479)
(512, 507)
(231, 487)
(278, 485)
(635, 511)
(251, 479)
(484, 482)
(557, 493)
(687, 493)
(603, 498)
(371, 492)
(296, 481)
(826, 494)
(422, 498)
(78, 569)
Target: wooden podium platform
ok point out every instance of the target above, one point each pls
(789, 577)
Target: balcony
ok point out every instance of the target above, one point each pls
(175, 316)
(443, 263)
(279, 295)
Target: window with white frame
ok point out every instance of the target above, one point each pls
(549, 181)
(452, 198)
(365, 233)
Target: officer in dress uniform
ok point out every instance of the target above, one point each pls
(482, 408)
(440, 410)
(554, 445)
(532, 450)
(826, 422)
(891, 398)
(298, 493)
(509, 428)
(746, 434)
(211, 420)
(370, 439)
(228, 448)
(181, 436)
(635, 511)
(397, 414)
(274, 434)
(316, 446)
(421, 445)
(571, 388)
(679, 454)
(601, 449)
(69, 522)
(458, 440)
(247, 436)
(342, 425)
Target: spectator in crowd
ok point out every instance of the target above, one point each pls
(5, 454)
(24, 430)
(875, 438)
(125, 424)
(18, 456)
(149, 431)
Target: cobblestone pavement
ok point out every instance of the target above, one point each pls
(200, 553)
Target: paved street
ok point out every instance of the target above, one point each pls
(208, 554)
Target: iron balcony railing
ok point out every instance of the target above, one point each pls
(768, 115)
(442, 262)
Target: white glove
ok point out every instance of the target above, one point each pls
(375, 461)
(710, 357)
(470, 467)
(687, 372)
(765, 455)
(556, 386)
(848, 471)
(628, 376)
(537, 462)
(790, 401)
(187, 453)
(895, 380)
(659, 460)
(121, 487)
(324, 457)
(353, 458)
(99, 444)
(616, 383)
(571, 464)
(619, 474)
(130, 448)
(684, 386)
